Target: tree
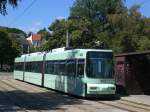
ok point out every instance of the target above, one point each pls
(5, 46)
(130, 31)
(97, 12)
(14, 31)
(88, 21)
(10, 48)
(44, 33)
(93, 9)
(3, 4)
(15, 51)
(104, 24)
(57, 39)
(144, 44)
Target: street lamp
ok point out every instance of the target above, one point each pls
(67, 29)
(67, 38)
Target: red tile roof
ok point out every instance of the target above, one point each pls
(36, 37)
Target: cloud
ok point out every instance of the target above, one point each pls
(60, 17)
(35, 27)
(38, 23)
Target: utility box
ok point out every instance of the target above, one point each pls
(132, 73)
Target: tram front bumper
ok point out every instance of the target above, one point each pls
(101, 89)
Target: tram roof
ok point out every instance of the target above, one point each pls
(39, 55)
(19, 59)
(71, 54)
(84, 50)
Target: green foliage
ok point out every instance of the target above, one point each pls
(96, 12)
(44, 33)
(144, 44)
(96, 8)
(4, 3)
(104, 24)
(13, 31)
(9, 48)
(5, 45)
(57, 38)
(129, 28)
(16, 31)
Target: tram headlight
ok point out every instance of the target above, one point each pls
(93, 88)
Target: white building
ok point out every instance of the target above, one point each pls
(35, 40)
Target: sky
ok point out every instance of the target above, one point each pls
(33, 15)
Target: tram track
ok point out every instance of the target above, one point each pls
(18, 97)
(135, 105)
(132, 107)
(26, 88)
(83, 107)
(120, 104)
(33, 88)
(30, 88)
(8, 96)
(77, 107)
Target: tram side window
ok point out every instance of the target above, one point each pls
(71, 67)
(56, 66)
(61, 68)
(28, 67)
(36, 67)
(49, 67)
(16, 66)
(33, 67)
(80, 69)
(19, 66)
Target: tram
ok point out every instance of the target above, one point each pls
(81, 72)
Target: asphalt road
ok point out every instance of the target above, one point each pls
(23, 97)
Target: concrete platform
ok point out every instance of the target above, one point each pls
(138, 99)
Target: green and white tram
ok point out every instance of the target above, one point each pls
(19, 67)
(34, 68)
(81, 72)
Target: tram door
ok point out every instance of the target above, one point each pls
(75, 74)
(79, 77)
(71, 75)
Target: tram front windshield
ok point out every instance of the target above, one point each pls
(99, 65)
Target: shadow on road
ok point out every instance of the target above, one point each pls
(35, 101)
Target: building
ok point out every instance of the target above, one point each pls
(35, 40)
(132, 72)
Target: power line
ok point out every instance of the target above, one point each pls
(21, 14)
